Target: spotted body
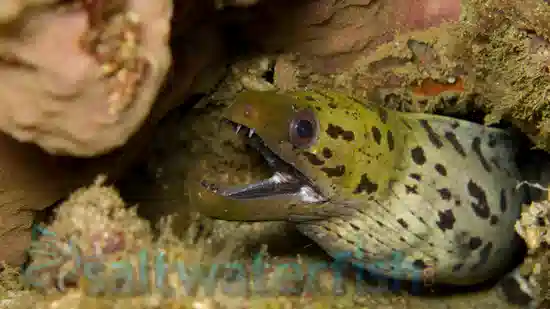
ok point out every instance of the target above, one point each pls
(401, 192)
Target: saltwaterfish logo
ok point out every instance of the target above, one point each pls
(152, 269)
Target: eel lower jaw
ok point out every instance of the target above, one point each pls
(286, 179)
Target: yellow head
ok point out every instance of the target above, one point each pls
(343, 148)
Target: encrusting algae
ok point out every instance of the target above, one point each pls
(534, 228)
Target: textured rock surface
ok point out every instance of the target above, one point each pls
(61, 95)
(82, 86)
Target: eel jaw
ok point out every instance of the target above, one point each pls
(286, 179)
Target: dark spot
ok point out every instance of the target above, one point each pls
(337, 171)
(327, 153)
(451, 137)
(484, 255)
(317, 108)
(445, 194)
(313, 159)
(503, 201)
(432, 136)
(419, 264)
(411, 189)
(474, 243)
(376, 134)
(335, 131)
(481, 208)
(441, 169)
(407, 125)
(348, 136)
(365, 185)
(457, 267)
(455, 124)
(310, 98)
(403, 223)
(354, 226)
(380, 223)
(383, 115)
(446, 220)
(476, 147)
(402, 239)
(492, 141)
(418, 156)
(415, 176)
(391, 142)
(494, 220)
(332, 105)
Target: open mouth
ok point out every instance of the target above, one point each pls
(286, 179)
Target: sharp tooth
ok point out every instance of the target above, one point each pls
(250, 133)
(238, 128)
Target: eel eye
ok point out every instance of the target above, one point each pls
(303, 129)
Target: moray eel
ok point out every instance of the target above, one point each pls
(396, 193)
